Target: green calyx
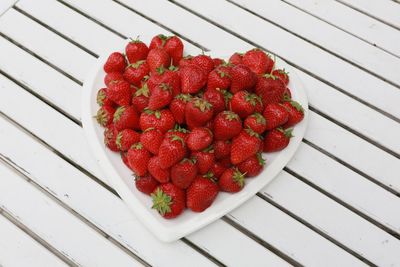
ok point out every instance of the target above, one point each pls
(163, 38)
(137, 40)
(101, 117)
(260, 159)
(165, 87)
(161, 202)
(144, 91)
(172, 67)
(136, 65)
(209, 149)
(177, 138)
(156, 113)
(238, 177)
(297, 106)
(223, 74)
(252, 133)
(100, 97)
(227, 96)
(270, 76)
(286, 132)
(178, 128)
(259, 118)
(191, 160)
(252, 99)
(160, 70)
(137, 146)
(118, 113)
(202, 104)
(184, 97)
(118, 140)
(210, 175)
(286, 97)
(230, 115)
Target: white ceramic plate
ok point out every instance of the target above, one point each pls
(122, 180)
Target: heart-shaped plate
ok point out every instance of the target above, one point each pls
(122, 180)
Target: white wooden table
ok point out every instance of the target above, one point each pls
(335, 204)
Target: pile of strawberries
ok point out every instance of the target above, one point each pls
(189, 127)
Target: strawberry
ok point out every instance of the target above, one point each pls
(198, 112)
(205, 159)
(138, 158)
(135, 72)
(172, 150)
(201, 194)
(243, 103)
(232, 180)
(136, 50)
(270, 89)
(216, 98)
(102, 99)
(183, 173)
(245, 145)
(192, 79)
(113, 76)
(146, 184)
(218, 62)
(157, 58)
(179, 131)
(295, 111)
(151, 139)
(115, 63)
(124, 157)
(126, 117)
(158, 41)
(161, 175)
(165, 76)
(126, 138)
(277, 139)
(227, 125)
(205, 63)
(287, 95)
(226, 162)
(256, 122)
(110, 135)
(177, 107)
(185, 61)
(252, 166)
(275, 115)
(162, 120)
(258, 61)
(160, 97)
(199, 139)
(219, 78)
(217, 169)
(105, 115)
(120, 92)
(236, 59)
(281, 75)
(168, 200)
(174, 48)
(222, 149)
(140, 99)
(242, 78)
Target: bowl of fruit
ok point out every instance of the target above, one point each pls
(185, 139)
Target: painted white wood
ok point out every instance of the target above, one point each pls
(329, 37)
(46, 44)
(352, 21)
(5, 5)
(19, 249)
(387, 11)
(57, 226)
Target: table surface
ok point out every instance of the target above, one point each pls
(335, 204)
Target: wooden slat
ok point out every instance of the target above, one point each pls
(352, 21)
(18, 249)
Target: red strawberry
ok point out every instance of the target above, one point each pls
(205, 159)
(201, 194)
(126, 117)
(199, 139)
(252, 166)
(113, 76)
(219, 78)
(177, 107)
(151, 139)
(216, 98)
(203, 62)
(226, 162)
(168, 200)
(158, 41)
(275, 115)
(146, 184)
(183, 173)
(192, 79)
(245, 145)
(277, 139)
(218, 62)
(140, 99)
(270, 89)
(217, 169)
(256, 122)
(157, 58)
(115, 63)
(120, 92)
(227, 125)
(110, 135)
(232, 180)
(102, 99)
(236, 59)
(138, 158)
(174, 48)
(135, 72)
(105, 115)
(161, 175)
(172, 150)
(258, 61)
(287, 95)
(281, 75)
(126, 138)
(198, 112)
(162, 120)
(243, 103)
(222, 149)
(185, 61)
(179, 131)
(136, 50)
(242, 78)
(160, 97)
(124, 157)
(295, 111)
(165, 76)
